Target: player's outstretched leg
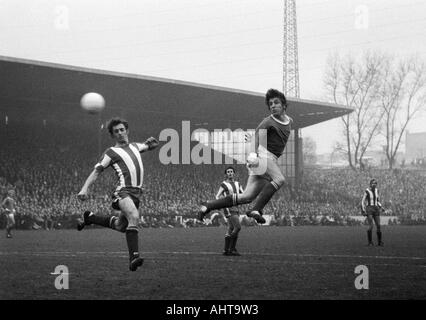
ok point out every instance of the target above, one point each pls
(256, 215)
(90, 218)
(85, 222)
(225, 202)
(254, 186)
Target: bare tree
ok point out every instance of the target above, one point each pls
(356, 85)
(403, 96)
(338, 152)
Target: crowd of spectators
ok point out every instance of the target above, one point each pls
(47, 170)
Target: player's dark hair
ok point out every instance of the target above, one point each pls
(274, 93)
(229, 168)
(116, 121)
(373, 180)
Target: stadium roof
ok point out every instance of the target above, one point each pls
(36, 87)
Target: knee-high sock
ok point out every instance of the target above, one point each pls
(132, 242)
(379, 236)
(370, 236)
(265, 195)
(227, 242)
(225, 202)
(234, 238)
(104, 221)
(233, 242)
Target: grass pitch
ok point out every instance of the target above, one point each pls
(276, 263)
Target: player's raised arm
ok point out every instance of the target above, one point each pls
(150, 144)
(84, 192)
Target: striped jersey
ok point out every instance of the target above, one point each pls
(372, 197)
(231, 187)
(277, 136)
(126, 162)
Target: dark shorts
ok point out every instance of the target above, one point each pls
(373, 211)
(133, 193)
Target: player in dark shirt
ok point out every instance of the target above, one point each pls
(265, 177)
(8, 206)
(371, 207)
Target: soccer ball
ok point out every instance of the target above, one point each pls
(252, 160)
(92, 102)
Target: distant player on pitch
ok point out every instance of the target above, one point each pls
(228, 187)
(8, 206)
(265, 177)
(125, 158)
(371, 207)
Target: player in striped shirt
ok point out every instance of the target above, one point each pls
(228, 187)
(372, 211)
(125, 158)
(265, 177)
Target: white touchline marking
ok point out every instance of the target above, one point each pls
(75, 253)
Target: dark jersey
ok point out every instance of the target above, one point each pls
(9, 205)
(278, 133)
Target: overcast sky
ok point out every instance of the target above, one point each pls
(234, 43)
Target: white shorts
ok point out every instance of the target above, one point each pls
(10, 218)
(268, 166)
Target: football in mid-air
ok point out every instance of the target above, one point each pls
(252, 160)
(92, 102)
